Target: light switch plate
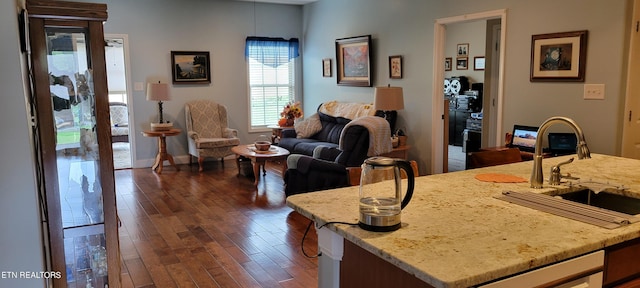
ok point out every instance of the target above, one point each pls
(594, 91)
(138, 86)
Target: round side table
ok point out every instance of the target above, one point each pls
(162, 148)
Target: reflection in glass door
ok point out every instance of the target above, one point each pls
(77, 154)
(121, 131)
(73, 142)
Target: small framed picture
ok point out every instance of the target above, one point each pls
(478, 63)
(462, 49)
(189, 67)
(447, 64)
(395, 67)
(326, 67)
(462, 63)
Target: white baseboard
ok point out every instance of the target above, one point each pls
(182, 159)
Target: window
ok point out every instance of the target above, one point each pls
(271, 76)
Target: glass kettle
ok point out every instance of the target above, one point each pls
(381, 200)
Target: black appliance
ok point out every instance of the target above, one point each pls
(455, 86)
(471, 140)
(463, 102)
(562, 143)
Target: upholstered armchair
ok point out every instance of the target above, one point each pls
(208, 134)
(119, 122)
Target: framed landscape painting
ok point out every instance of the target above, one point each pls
(188, 67)
(353, 61)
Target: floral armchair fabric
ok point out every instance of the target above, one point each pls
(119, 122)
(208, 134)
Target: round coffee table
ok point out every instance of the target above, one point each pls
(259, 158)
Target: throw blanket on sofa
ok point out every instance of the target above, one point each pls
(379, 134)
(347, 109)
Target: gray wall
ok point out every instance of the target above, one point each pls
(472, 33)
(402, 27)
(20, 238)
(405, 27)
(157, 27)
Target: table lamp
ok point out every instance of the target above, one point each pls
(389, 100)
(159, 92)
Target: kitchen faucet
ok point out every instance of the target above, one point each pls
(581, 149)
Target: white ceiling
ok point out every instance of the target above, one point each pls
(294, 2)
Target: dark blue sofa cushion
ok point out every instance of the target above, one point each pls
(329, 136)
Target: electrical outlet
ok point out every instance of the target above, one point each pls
(594, 91)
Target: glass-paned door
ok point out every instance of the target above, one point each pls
(77, 156)
(74, 142)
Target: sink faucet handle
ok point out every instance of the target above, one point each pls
(565, 162)
(555, 177)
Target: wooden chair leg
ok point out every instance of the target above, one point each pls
(200, 160)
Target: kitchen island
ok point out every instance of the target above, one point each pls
(456, 233)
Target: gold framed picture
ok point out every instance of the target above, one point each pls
(353, 61)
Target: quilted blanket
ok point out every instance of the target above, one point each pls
(379, 134)
(347, 110)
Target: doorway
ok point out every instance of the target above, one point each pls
(117, 62)
(466, 45)
(439, 149)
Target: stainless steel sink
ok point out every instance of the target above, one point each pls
(606, 200)
(608, 208)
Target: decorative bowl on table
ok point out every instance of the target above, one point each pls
(262, 145)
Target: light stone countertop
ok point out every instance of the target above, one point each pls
(456, 234)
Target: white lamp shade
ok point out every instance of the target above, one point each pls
(158, 92)
(388, 99)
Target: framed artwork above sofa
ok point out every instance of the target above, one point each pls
(353, 61)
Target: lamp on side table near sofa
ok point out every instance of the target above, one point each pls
(389, 100)
(159, 92)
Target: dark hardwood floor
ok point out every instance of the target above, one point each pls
(210, 229)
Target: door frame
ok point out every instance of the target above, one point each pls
(630, 117)
(437, 109)
(127, 79)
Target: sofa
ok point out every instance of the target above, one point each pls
(323, 128)
(320, 161)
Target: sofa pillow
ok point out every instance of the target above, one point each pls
(308, 127)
